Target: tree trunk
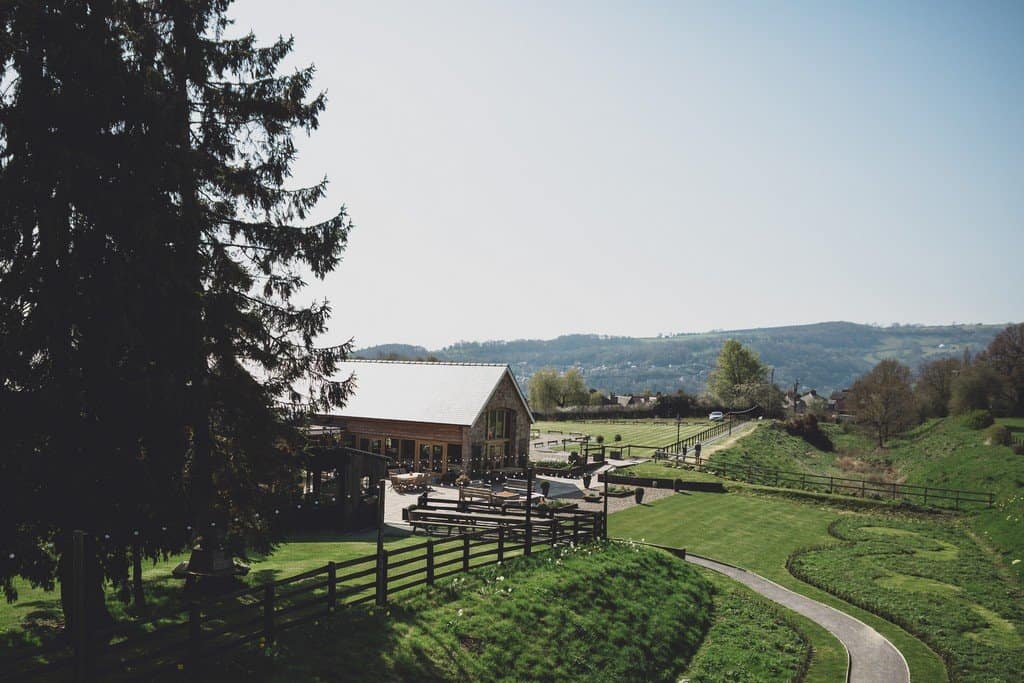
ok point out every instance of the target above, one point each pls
(201, 474)
(138, 594)
(96, 605)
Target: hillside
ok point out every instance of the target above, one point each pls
(941, 453)
(824, 356)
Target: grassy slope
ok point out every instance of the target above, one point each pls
(931, 578)
(941, 453)
(751, 639)
(38, 611)
(770, 447)
(759, 533)
(613, 613)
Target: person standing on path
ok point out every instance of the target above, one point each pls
(696, 452)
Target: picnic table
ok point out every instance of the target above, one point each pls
(410, 482)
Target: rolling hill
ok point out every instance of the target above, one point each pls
(824, 356)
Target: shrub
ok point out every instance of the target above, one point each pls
(1018, 447)
(807, 428)
(600, 438)
(618, 437)
(978, 419)
(998, 435)
(553, 464)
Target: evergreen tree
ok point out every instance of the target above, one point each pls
(149, 256)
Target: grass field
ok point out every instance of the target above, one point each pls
(37, 612)
(932, 579)
(665, 470)
(604, 613)
(760, 533)
(940, 453)
(750, 640)
(641, 432)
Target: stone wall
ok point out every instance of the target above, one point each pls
(505, 396)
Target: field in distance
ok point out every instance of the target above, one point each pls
(640, 432)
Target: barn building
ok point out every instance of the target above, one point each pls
(435, 417)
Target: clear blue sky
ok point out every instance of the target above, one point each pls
(524, 169)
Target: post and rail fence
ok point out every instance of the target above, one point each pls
(203, 629)
(820, 483)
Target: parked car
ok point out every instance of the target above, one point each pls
(717, 415)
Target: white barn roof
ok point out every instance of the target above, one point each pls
(413, 391)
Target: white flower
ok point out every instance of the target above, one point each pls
(460, 611)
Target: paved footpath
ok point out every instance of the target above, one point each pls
(873, 659)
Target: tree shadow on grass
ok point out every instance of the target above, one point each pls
(351, 645)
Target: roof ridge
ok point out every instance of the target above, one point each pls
(424, 362)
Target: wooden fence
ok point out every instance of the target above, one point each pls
(204, 629)
(862, 488)
(617, 451)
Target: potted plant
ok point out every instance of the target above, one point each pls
(638, 494)
(586, 480)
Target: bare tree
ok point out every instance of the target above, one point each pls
(934, 386)
(884, 400)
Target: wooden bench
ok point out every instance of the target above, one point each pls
(476, 492)
(433, 522)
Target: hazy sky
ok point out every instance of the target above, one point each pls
(523, 169)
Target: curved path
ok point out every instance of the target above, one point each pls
(873, 659)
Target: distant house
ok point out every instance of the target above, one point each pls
(444, 418)
(813, 401)
(837, 402)
(626, 400)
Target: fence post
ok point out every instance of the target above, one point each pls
(862, 492)
(604, 518)
(750, 473)
(991, 499)
(803, 481)
(268, 613)
(554, 531)
(332, 589)
(894, 491)
(527, 547)
(430, 562)
(501, 544)
(382, 578)
(575, 530)
(465, 553)
(831, 485)
(79, 628)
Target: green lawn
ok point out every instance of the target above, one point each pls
(751, 639)
(37, 612)
(665, 470)
(942, 453)
(932, 579)
(640, 432)
(760, 533)
(609, 612)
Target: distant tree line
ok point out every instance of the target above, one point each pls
(889, 399)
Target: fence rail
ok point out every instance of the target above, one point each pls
(257, 614)
(862, 488)
(617, 451)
